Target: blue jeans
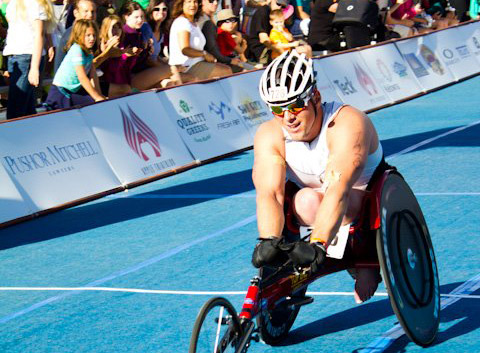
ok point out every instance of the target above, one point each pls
(21, 94)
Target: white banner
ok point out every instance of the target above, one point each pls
(327, 91)
(470, 34)
(242, 91)
(12, 204)
(136, 136)
(205, 119)
(391, 71)
(455, 53)
(353, 81)
(420, 54)
(54, 159)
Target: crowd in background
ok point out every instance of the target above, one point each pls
(98, 49)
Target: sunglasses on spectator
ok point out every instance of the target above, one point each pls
(294, 108)
(163, 9)
(282, 6)
(230, 20)
(212, 1)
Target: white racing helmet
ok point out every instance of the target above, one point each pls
(287, 78)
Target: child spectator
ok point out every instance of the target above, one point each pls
(282, 38)
(28, 20)
(229, 40)
(71, 84)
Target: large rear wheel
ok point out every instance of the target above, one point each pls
(217, 328)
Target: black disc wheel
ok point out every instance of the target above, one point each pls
(217, 328)
(274, 325)
(408, 262)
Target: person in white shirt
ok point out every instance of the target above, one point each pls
(28, 21)
(187, 44)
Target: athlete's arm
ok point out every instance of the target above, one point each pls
(348, 140)
(269, 179)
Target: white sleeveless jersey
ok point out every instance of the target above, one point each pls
(306, 162)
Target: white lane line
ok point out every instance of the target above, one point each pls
(252, 195)
(189, 292)
(427, 141)
(132, 269)
(381, 343)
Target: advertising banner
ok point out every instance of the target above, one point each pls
(205, 119)
(12, 204)
(390, 71)
(453, 50)
(470, 34)
(242, 92)
(420, 54)
(352, 80)
(54, 158)
(136, 136)
(327, 91)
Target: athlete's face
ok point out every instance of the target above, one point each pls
(302, 126)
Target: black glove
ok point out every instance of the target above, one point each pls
(305, 254)
(268, 252)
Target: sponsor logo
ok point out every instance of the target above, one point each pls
(184, 106)
(346, 87)
(463, 51)
(193, 124)
(252, 112)
(384, 71)
(138, 134)
(53, 158)
(429, 56)
(220, 110)
(448, 54)
(249, 301)
(399, 69)
(417, 67)
(350, 7)
(365, 80)
(476, 42)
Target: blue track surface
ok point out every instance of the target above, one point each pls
(195, 232)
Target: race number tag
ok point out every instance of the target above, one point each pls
(336, 249)
(278, 94)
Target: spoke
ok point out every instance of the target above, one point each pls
(219, 326)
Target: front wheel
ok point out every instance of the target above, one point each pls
(217, 328)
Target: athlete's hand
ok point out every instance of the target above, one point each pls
(268, 252)
(305, 254)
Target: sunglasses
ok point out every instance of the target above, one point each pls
(163, 9)
(294, 108)
(282, 6)
(230, 20)
(212, 1)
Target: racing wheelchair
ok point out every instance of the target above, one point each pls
(392, 234)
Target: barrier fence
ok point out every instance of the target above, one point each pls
(63, 158)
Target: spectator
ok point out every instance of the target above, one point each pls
(282, 38)
(158, 23)
(134, 69)
(187, 43)
(259, 46)
(229, 39)
(217, 39)
(28, 20)
(302, 14)
(474, 10)
(321, 34)
(72, 84)
(82, 9)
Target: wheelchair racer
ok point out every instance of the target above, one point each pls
(329, 150)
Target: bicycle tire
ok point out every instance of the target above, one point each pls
(229, 338)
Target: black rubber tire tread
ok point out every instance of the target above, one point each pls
(202, 314)
(282, 333)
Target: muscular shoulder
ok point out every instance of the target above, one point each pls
(348, 121)
(269, 139)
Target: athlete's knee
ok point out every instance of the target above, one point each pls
(306, 203)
